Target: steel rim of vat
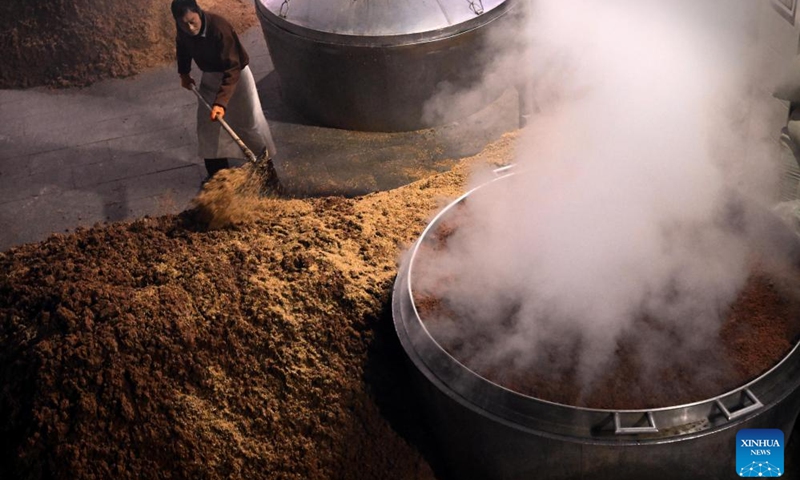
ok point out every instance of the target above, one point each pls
(600, 425)
(383, 41)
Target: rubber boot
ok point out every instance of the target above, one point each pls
(214, 165)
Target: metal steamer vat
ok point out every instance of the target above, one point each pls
(486, 431)
(371, 65)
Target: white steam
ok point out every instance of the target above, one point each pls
(621, 208)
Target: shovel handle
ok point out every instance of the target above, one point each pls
(247, 152)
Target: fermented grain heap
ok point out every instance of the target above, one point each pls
(66, 43)
(259, 351)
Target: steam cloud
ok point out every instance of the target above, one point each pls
(622, 206)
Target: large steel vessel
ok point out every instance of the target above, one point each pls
(372, 65)
(487, 431)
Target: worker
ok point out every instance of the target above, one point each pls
(226, 84)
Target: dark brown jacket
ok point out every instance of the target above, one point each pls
(215, 49)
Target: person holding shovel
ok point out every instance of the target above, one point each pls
(226, 84)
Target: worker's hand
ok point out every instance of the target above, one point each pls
(187, 81)
(217, 112)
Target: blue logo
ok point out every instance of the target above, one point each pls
(759, 452)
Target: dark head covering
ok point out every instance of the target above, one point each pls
(180, 7)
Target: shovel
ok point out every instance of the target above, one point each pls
(261, 164)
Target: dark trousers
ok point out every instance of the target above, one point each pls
(214, 165)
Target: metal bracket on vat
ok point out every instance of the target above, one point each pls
(742, 411)
(620, 430)
(476, 6)
(504, 170)
(284, 10)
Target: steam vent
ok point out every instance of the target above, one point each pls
(371, 65)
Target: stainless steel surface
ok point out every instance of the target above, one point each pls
(732, 415)
(373, 65)
(376, 17)
(488, 431)
(620, 430)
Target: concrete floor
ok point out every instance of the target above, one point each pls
(125, 148)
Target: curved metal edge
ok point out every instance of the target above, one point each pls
(383, 41)
(519, 409)
(547, 429)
